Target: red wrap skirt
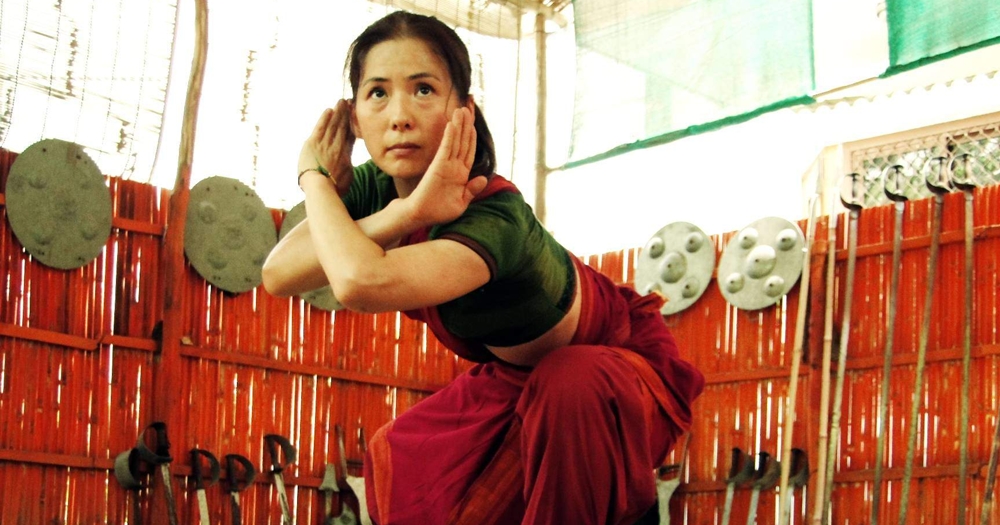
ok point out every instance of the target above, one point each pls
(574, 440)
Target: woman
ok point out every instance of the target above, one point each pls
(580, 392)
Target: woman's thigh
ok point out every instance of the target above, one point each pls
(421, 465)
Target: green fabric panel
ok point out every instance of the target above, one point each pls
(652, 71)
(924, 31)
(687, 132)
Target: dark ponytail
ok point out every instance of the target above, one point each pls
(485, 162)
(446, 43)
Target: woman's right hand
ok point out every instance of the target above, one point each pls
(329, 147)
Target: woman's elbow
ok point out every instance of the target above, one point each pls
(275, 283)
(358, 294)
(351, 296)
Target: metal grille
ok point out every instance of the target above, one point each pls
(974, 154)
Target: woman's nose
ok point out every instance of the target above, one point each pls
(401, 117)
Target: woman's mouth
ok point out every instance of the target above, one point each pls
(403, 147)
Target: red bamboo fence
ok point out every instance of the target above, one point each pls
(79, 358)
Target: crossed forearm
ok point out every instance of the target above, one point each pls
(294, 266)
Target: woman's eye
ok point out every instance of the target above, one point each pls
(425, 90)
(376, 93)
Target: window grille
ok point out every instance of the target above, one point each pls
(916, 154)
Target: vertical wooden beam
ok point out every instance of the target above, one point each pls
(167, 366)
(541, 167)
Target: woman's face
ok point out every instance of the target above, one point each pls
(404, 101)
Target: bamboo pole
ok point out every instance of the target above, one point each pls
(845, 333)
(785, 499)
(824, 403)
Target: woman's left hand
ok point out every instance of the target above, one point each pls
(329, 147)
(445, 190)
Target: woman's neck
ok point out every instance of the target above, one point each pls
(404, 187)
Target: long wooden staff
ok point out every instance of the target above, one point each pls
(824, 403)
(963, 180)
(785, 499)
(893, 192)
(852, 198)
(939, 184)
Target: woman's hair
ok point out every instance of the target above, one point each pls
(446, 43)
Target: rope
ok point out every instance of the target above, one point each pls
(138, 105)
(86, 75)
(52, 67)
(111, 85)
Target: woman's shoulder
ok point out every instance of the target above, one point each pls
(498, 214)
(497, 185)
(500, 199)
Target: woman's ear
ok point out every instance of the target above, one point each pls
(355, 128)
(470, 104)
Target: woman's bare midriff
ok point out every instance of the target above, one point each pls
(560, 335)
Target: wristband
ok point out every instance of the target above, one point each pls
(320, 169)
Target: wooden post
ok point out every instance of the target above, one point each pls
(541, 168)
(167, 375)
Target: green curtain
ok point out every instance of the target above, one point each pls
(924, 31)
(653, 71)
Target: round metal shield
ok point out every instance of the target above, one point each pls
(321, 298)
(58, 204)
(677, 263)
(229, 233)
(761, 263)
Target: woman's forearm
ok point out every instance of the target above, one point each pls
(388, 226)
(293, 266)
(349, 258)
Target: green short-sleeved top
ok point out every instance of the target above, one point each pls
(532, 277)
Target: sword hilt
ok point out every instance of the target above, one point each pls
(800, 468)
(939, 179)
(852, 191)
(214, 469)
(159, 456)
(741, 469)
(961, 172)
(240, 472)
(288, 452)
(160, 453)
(892, 183)
(767, 473)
